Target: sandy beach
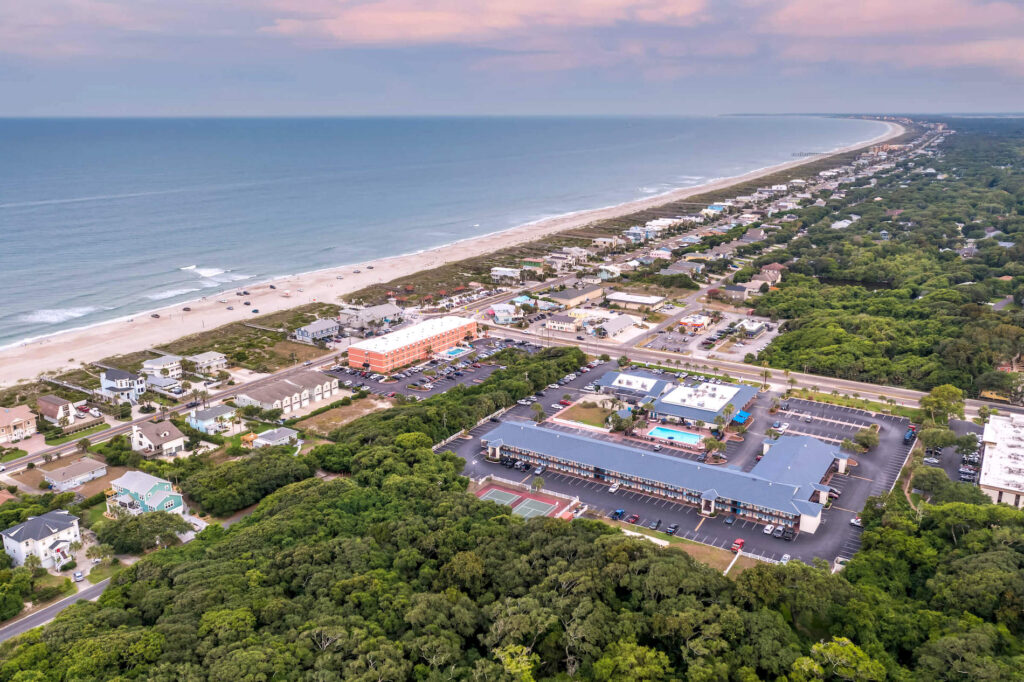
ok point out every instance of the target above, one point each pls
(66, 350)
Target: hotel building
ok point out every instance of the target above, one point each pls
(1002, 469)
(786, 487)
(411, 345)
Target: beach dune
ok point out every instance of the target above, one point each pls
(69, 349)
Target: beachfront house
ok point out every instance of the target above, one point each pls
(317, 331)
(164, 366)
(56, 410)
(139, 493)
(209, 362)
(47, 536)
(75, 474)
(16, 423)
(120, 386)
(163, 385)
(211, 420)
(155, 439)
(279, 436)
(362, 320)
(506, 275)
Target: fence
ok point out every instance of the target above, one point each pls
(573, 501)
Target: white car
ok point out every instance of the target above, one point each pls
(768, 529)
(785, 559)
(94, 412)
(855, 521)
(614, 489)
(555, 406)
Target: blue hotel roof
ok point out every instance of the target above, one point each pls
(783, 481)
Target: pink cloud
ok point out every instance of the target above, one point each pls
(864, 18)
(402, 22)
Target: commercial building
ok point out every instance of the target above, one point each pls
(290, 393)
(614, 325)
(137, 492)
(695, 323)
(75, 474)
(573, 297)
(499, 274)
(47, 536)
(634, 301)
(412, 344)
(751, 328)
(1002, 468)
(788, 486)
(503, 313)
(680, 403)
(16, 423)
(562, 323)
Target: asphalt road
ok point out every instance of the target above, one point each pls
(45, 615)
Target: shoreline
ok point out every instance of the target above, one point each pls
(67, 349)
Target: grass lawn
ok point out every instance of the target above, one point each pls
(12, 454)
(101, 572)
(712, 556)
(302, 351)
(50, 580)
(325, 422)
(78, 436)
(593, 415)
(94, 514)
(912, 413)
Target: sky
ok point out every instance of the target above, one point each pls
(469, 57)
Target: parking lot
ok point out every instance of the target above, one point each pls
(440, 384)
(949, 460)
(870, 474)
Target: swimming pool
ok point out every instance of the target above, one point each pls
(684, 437)
(455, 352)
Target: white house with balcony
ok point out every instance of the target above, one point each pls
(164, 366)
(139, 493)
(120, 386)
(48, 536)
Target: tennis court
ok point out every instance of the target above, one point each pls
(531, 507)
(500, 496)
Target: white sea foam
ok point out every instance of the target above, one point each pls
(169, 293)
(188, 267)
(209, 272)
(57, 315)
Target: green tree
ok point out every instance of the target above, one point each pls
(943, 402)
(630, 661)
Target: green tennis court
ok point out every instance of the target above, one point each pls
(500, 496)
(530, 508)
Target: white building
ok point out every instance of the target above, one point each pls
(280, 436)
(634, 301)
(1002, 468)
(292, 393)
(75, 474)
(506, 274)
(208, 362)
(157, 438)
(164, 366)
(48, 536)
(121, 386)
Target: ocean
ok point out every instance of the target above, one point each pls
(103, 218)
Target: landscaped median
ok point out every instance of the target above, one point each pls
(78, 435)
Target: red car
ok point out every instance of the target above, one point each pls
(565, 402)
(738, 545)
(633, 518)
(392, 394)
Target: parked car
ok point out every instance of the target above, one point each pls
(778, 532)
(618, 514)
(768, 529)
(655, 525)
(672, 529)
(539, 470)
(855, 521)
(78, 576)
(565, 402)
(614, 489)
(785, 559)
(737, 545)
(730, 520)
(633, 518)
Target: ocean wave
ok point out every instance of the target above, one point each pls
(57, 315)
(170, 293)
(209, 272)
(188, 267)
